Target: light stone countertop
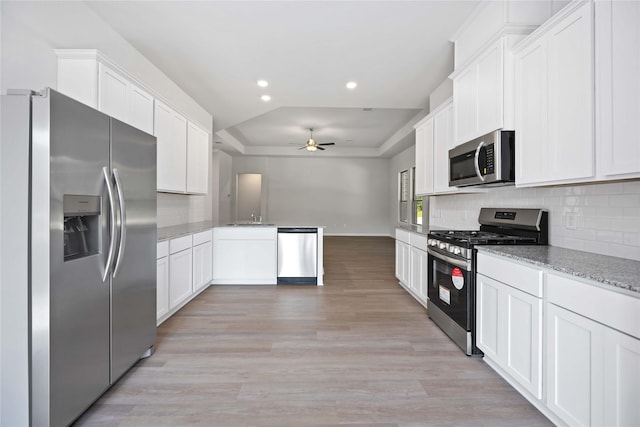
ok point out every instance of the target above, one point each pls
(171, 232)
(617, 272)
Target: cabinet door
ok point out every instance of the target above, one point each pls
(197, 160)
(465, 105)
(488, 318)
(621, 379)
(140, 111)
(262, 260)
(419, 264)
(618, 87)
(180, 277)
(570, 97)
(442, 141)
(490, 89)
(202, 265)
(162, 287)
(574, 360)
(523, 339)
(531, 113)
(424, 158)
(402, 262)
(112, 93)
(170, 129)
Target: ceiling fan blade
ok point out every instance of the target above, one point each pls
(302, 148)
(328, 143)
(320, 148)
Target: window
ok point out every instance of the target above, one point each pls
(403, 194)
(409, 206)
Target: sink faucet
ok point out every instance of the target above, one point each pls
(256, 219)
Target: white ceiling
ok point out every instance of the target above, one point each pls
(398, 52)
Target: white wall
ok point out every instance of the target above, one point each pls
(30, 31)
(348, 196)
(608, 214)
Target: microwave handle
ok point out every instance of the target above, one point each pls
(476, 161)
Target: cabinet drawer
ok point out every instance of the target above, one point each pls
(179, 244)
(419, 241)
(516, 275)
(613, 309)
(402, 235)
(162, 249)
(202, 237)
(245, 233)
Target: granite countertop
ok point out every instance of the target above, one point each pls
(618, 272)
(419, 229)
(171, 232)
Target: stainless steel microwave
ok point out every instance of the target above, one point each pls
(487, 160)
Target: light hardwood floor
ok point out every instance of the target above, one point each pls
(358, 351)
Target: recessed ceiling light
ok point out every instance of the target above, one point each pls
(263, 83)
(351, 85)
(265, 98)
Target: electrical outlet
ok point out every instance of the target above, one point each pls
(571, 221)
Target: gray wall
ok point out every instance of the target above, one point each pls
(348, 196)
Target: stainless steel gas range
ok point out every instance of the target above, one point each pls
(452, 266)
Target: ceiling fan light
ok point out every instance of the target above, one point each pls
(311, 148)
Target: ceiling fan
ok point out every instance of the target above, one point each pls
(312, 145)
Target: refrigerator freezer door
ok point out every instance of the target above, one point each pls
(70, 302)
(133, 287)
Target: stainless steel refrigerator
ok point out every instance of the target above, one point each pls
(83, 197)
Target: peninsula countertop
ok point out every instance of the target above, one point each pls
(612, 271)
(171, 232)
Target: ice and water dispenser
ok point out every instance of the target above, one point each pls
(81, 226)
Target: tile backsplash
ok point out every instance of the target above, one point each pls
(175, 209)
(603, 218)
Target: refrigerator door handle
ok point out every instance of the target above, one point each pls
(123, 221)
(112, 217)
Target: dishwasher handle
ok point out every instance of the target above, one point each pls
(297, 230)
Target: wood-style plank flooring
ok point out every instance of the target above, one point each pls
(358, 351)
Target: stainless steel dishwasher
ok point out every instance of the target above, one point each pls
(298, 255)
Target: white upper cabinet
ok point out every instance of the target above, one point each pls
(434, 139)
(122, 99)
(197, 159)
(424, 157)
(171, 133)
(554, 101)
(182, 148)
(617, 49)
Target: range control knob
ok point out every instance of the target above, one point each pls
(457, 251)
(442, 245)
(452, 248)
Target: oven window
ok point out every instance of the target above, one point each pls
(449, 288)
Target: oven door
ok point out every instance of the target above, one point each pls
(450, 287)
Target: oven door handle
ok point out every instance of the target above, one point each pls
(458, 263)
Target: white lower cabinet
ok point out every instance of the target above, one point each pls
(574, 367)
(621, 379)
(245, 255)
(570, 346)
(412, 263)
(180, 270)
(403, 257)
(162, 280)
(184, 269)
(202, 260)
(509, 331)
